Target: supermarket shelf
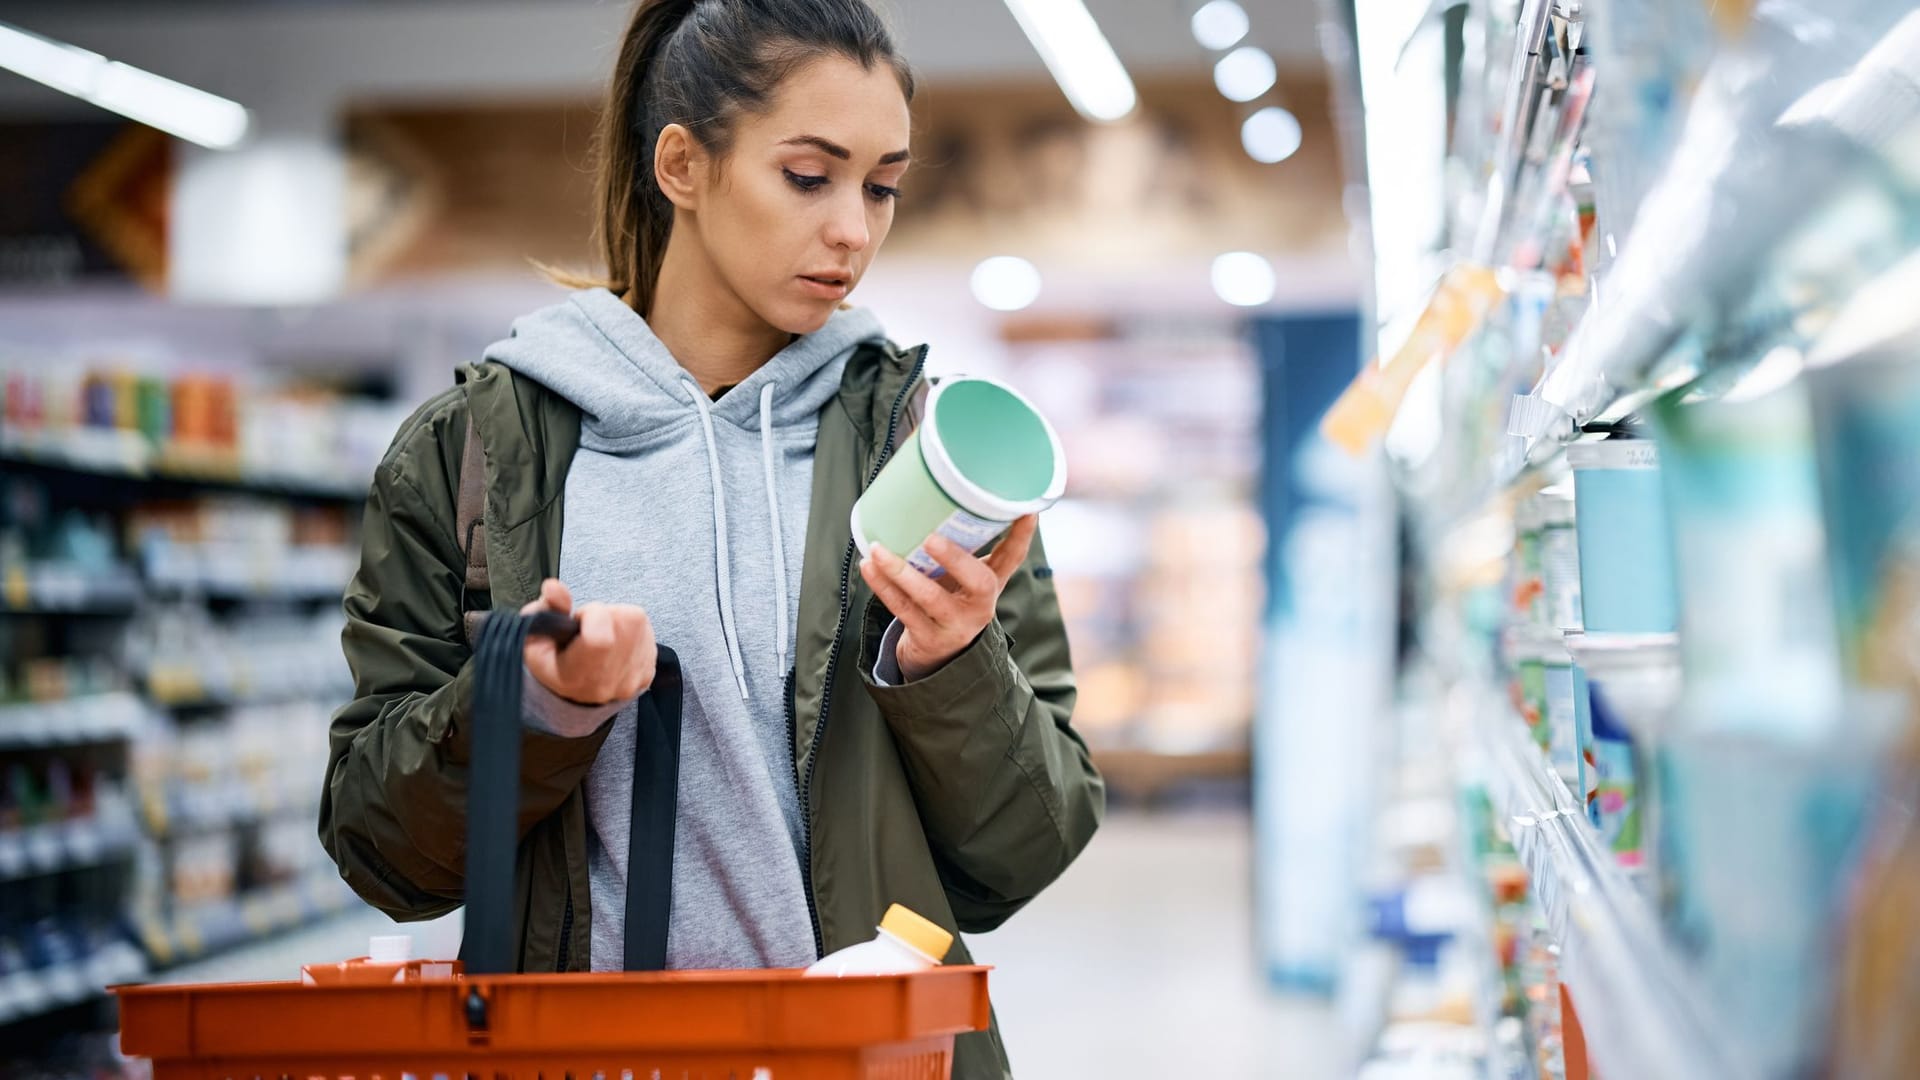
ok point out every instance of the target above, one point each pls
(231, 592)
(70, 845)
(212, 929)
(29, 994)
(1641, 1011)
(239, 572)
(59, 590)
(107, 457)
(238, 804)
(190, 699)
(99, 718)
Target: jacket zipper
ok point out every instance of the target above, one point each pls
(564, 961)
(833, 659)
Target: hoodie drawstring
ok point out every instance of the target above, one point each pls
(720, 560)
(779, 538)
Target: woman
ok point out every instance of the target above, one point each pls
(681, 447)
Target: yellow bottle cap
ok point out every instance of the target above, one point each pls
(917, 931)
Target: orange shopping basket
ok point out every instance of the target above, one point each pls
(729, 1025)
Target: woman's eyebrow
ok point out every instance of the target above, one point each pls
(834, 149)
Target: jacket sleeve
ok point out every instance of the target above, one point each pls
(393, 811)
(1006, 789)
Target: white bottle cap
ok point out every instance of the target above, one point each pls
(390, 948)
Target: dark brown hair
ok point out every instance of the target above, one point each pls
(701, 64)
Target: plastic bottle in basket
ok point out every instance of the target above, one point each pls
(906, 943)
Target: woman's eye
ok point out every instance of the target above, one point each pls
(881, 193)
(805, 183)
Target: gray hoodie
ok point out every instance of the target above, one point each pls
(696, 510)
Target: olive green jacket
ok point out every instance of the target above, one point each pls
(961, 795)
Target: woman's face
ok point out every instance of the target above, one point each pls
(800, 206)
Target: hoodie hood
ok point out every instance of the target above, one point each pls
(646, 425)
(602, 357)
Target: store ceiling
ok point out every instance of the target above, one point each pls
(306, 52)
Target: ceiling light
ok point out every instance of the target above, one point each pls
(1220, 23)
(1006, 283)
(173, 107)
(1243, 279)
(1245, 73)
(1078, 55)
(1271, 135)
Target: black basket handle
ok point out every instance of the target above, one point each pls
(493, 798)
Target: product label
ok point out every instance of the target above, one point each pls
(1615, 810)
(1532, 686)
(1560, 573)
(966, 530)
(1563, 744)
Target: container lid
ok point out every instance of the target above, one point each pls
(987, 456)
(921, 933)
(390, 948)
(1614, 454)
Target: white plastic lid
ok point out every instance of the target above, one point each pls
(390, 948)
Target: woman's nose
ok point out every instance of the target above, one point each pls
(847, 227)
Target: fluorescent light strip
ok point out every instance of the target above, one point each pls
(173, 107)
(1078, 55)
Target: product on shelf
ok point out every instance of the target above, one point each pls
(194, 424)
(1626, 564)
(57, 559)
(1750, 558)
(1558, 606)
(243, 547)
(1460, 300)
(1610, 791)
(186, 656)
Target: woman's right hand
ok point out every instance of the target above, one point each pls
(611, 660)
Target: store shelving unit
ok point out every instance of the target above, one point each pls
(129, 464)
(1642, 1015)
(1706, 220)
(89, 901)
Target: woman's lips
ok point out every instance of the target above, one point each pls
(824, 287)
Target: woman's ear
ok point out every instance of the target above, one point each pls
(678, 166)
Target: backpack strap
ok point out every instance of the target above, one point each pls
(470, 526)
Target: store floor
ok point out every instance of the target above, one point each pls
(1138, 964)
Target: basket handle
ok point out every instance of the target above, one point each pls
(493, 799)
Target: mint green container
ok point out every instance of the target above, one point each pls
(982, 458)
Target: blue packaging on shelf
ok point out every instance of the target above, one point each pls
(1626, 556)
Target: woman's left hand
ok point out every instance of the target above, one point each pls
(941, 617)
